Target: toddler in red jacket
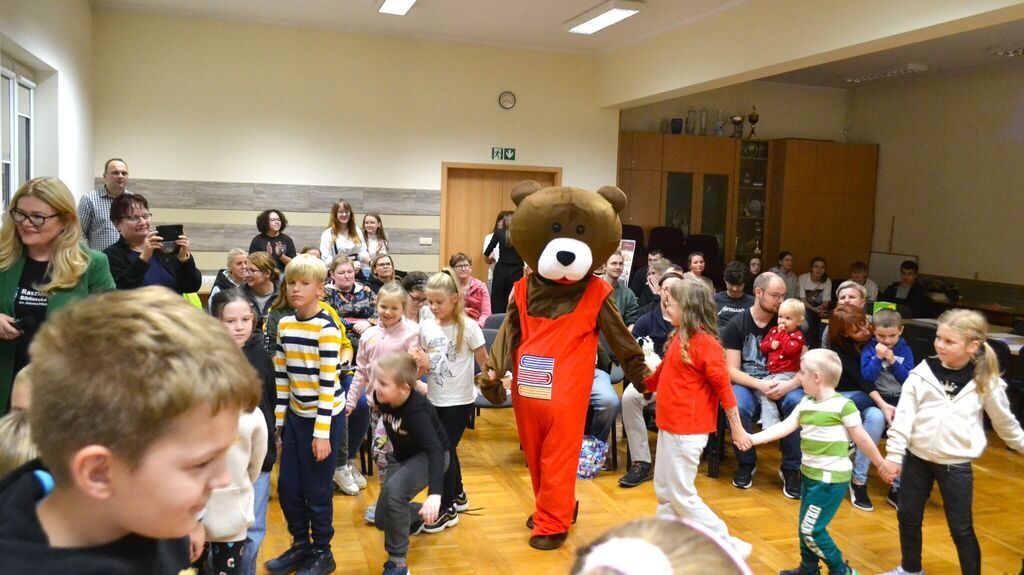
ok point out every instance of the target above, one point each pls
(783, 345)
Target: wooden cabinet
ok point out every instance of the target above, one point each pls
(821, 203)
(640, 151)
(643, 197)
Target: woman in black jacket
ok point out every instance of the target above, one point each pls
(507, 271)
(136, 259)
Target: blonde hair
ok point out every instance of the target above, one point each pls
(401, 366)
(340, 260)
(16, 447)
(305, 267)
(823, 361)
(444, 283)
(697, 308)
(119, 368)
(972, 326)
(350, 229)
(394, 289)
(68, 261)
(658, 545)
(281, 301)
(265, 263)
(234, 252)
(793, 306)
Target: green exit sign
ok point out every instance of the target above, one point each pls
(508, 154)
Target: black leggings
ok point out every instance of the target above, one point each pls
(220, 558)
(956, 484)
(454, 420)
(505, 276)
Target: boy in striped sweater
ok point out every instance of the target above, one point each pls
(827, 421)
(308, 413)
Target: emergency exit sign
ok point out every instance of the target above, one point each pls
(508, 154)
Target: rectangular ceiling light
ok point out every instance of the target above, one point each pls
(603, 16)
(901, 70)
(396, 7)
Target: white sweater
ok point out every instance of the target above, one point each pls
(229, 513)
(948, 431)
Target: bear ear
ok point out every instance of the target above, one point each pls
(615, 197)
(523, 189)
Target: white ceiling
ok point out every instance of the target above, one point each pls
(538, 24)
(949, 53)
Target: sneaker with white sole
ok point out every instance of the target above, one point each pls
(900, 571)
(462, 502)
(744, 476)
(343, 481)
(859, 497)
(790, 483)
(448, 518)
(357, 477)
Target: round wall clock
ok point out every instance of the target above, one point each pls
(507, 100)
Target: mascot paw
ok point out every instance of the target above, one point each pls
(492, 389)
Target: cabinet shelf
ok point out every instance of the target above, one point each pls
(753, 188)
(751, 218)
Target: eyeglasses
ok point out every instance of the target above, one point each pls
(139, 218)
(346, 212)
(775, 295)
(419, 300)
(463, 267)
(37, 220)
(384, 264)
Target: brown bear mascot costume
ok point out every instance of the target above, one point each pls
(550, 335)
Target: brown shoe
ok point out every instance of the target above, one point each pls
(548, 542)
(575, 513)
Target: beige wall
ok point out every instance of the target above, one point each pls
(55, 38)
(755, 39)
(201, 99)
(950, 169)
(786, 110)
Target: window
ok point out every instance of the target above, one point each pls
(17, 91)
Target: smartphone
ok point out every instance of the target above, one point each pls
(170, 235)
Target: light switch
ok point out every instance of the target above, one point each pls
(426, 241)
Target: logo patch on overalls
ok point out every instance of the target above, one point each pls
(535, 376)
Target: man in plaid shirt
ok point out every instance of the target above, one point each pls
(94, 208)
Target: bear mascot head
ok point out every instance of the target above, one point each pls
(565, 233)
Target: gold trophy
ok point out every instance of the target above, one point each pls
(753, 118)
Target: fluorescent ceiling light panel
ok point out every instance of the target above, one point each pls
(396, 7)
(603, 16)
(901, 70)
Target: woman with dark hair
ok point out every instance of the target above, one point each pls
(848, 332)
(136, 259)
(509, 268)
(272, 239)
(375, 241)
(382, 271)
(341, 236)
(785, 271)
(499, 223)
(474, 292)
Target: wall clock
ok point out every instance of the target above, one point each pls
(507, 100)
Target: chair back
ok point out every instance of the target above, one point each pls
(493, 322)
(671, 241)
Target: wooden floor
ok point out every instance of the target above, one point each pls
(492, 538)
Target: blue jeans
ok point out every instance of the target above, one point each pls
(750, 409)
(254, 538)
(874, 424)
(604, 406)
(304, 487)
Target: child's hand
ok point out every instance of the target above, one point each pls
(278, 432)
(743, 440)
(775, 344)
(196, 541)
(421, 359)
(321, 448)
(889, 471)
(430, 509)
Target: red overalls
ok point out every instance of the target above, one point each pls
(553, 371)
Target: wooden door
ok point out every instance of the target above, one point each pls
(471, 197)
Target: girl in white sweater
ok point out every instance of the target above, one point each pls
(938, 430)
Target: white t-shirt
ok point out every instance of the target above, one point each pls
(812, 292)
(450, 380)
(872, 289)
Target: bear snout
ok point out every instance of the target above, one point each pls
(565, 258)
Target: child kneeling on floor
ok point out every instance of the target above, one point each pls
(420, 452)
(827, 421)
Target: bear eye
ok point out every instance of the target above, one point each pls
(556, 228)
(580, 230)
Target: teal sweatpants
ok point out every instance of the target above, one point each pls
(818, 504)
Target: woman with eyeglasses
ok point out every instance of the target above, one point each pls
(136, 258)
(382, 271)
(477, 296)
(341, 237)
(43, 267)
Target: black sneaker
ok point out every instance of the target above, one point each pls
(416, 527)
(790, 483)
(893, 498)
(462, 502)
(859, 497)
(321, 563)
(637, 474)
(289, 561)
(744, 476)
(448, 518)
(800, 571)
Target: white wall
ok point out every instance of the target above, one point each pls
(201, 99)
(55, 36)
(950, 169)
(786, 110)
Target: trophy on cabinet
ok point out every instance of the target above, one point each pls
(753, 118)
(720, 126)
(737, 126)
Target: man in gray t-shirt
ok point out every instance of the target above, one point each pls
(98, 232)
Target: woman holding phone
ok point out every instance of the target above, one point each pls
(43, 267)
(141, 257)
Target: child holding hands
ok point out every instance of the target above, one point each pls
(827, 421)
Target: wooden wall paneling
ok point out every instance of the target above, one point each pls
(647, 150)
(682, 153)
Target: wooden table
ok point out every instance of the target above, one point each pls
(995, 313)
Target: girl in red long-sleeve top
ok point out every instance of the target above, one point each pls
(784, 343)
(691, 381)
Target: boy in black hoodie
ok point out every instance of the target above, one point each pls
(421, 458)
(135, 403)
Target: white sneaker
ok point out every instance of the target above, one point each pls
(743, 548)
(370, 515)
(900, 571)
(357, 477)
(343, 480)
